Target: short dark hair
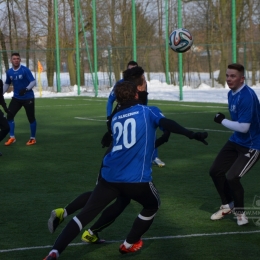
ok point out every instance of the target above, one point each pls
(125, 91)
(134, 75)
(15, 54)
(238, 67)
(132, 62)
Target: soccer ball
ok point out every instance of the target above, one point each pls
(180, 40)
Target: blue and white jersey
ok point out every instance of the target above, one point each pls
(112, 98)
(244, 107)
(134, 134)
(20, 78)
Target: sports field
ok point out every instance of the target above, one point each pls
(66, 159)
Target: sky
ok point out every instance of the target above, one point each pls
(156, 89)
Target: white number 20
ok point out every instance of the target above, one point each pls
(119, 129)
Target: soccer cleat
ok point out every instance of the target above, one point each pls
(55, 219)
(242, 219)
(31, 142)
(91, 239)
(10, 141)
(158, 162)
(135, 247)
(224, 210)
(52, 256)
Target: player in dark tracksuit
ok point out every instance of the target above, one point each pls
(126, 169)
(4, 126)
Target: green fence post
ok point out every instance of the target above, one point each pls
(167, 41)
(76, 3)
(57, 46)
(234, 32)
(95, 45)
(134, 30)
(180, 54)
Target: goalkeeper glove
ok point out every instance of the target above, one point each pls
(219, 117)
(200, 137)
(23, 91)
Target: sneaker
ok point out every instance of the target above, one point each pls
(10, 141)
(135, 247)
(52, 256)
(91, 239)
(31, 142)
(224, 210)
(242, 219)
(158, 162)
(55, 219)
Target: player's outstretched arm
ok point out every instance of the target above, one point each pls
(163, 139)
(175, 128)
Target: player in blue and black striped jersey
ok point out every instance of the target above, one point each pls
(241, 151)
(126, 169)
(23, 82)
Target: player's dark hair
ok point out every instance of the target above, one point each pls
(15, 54)
(238, 67)
(134, 75)
(125, 91)
(132, 63)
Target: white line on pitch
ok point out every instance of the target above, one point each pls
(149, 238)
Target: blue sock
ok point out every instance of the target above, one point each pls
(12, 126)
(33, 128)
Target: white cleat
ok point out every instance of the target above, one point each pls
(242, 219)
(224, 210)
(158, 162)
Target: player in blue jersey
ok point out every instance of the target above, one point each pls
(126, 168)
(4, 126)
(108, 216)
(23, 82)
(111, 99)
(241, 151)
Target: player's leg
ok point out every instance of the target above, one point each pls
(14, 106)
(29, 106)
(245, 161)
(147, 195)
(58, 215)
(156, 160)
(102, 195)
(4, 127)
(107, 217)
(223, 162)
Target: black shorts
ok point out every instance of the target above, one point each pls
(16, 104)
(234, 161)
(105, 192)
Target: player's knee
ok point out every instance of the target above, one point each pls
(31, 120)
(213, 171)
(148, 214)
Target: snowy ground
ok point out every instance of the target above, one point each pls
(157, 90)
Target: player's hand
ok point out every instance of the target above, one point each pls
(23, 91)
(199, 136)
(106, 139)
(219, 117)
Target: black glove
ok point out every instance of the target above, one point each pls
(200, 137)
(106, 139)
(219, 117)
(23, 91)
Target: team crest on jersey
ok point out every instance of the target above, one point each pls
(11, 77)
(20, 76)
(233, 108)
